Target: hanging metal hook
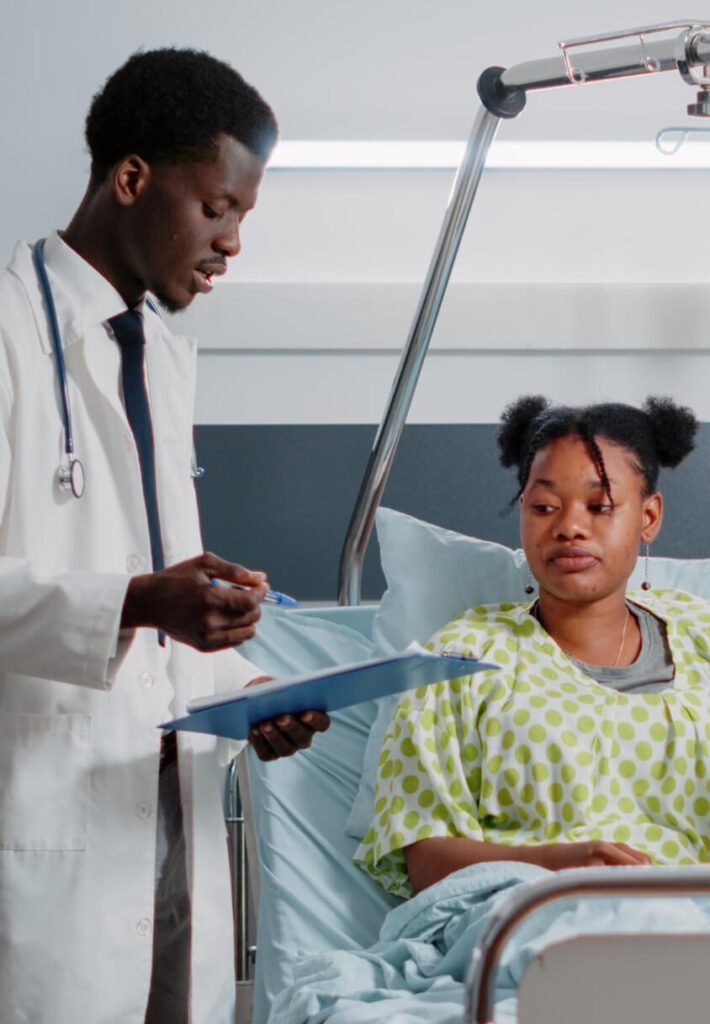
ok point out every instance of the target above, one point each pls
(669, 140)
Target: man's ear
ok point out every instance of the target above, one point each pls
(652, 517)
(130, 179)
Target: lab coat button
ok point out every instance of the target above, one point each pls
(146, 680)
(144, 926)
(128, 442)
(135, 562)
(143, 809)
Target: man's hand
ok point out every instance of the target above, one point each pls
(183, 603)
(287, 734)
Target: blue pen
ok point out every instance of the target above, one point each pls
(272, 596)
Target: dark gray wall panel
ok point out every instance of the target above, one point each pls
(280, 498)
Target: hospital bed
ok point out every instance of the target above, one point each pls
(307, 811)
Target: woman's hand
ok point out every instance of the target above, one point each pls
(430, 860)
(594, 853)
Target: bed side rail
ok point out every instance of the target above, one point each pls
(586, 882)
(240, 865)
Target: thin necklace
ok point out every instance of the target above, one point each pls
(623, 636)
(535, 611)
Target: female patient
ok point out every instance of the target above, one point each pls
(589, 744)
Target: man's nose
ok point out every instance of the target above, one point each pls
(229, 243)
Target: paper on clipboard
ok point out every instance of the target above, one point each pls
(232, 715)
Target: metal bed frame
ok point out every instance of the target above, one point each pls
(244, 877)
(682, 46)
(590, 882)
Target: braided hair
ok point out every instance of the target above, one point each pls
(661, 433)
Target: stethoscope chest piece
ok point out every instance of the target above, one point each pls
(72, 478)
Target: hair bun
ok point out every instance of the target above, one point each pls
(516, 422)
(674, 428)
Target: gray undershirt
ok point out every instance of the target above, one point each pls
(652, 671)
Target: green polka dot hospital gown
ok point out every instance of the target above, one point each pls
(539, 752)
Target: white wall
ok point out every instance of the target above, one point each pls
(584, 285)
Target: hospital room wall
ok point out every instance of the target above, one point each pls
(583, 285)
(562, 287)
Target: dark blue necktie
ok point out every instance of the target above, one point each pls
(172, 912)
(128, 331)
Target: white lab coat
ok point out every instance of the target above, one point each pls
(78, 739)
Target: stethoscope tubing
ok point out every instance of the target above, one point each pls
(72, 476)
(38, 256)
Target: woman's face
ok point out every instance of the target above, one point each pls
(580, 547)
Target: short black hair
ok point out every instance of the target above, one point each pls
(170, 106)
(659, 434)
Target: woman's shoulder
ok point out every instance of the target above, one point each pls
(673, 604)
(483, 621)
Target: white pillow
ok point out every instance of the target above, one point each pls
(433, 574)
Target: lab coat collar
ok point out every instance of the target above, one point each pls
(73, 323)
(83, 296)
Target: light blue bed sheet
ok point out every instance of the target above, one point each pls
(416, 973)
(312, 897)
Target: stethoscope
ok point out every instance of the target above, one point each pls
(70, 474)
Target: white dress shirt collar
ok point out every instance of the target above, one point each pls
(84, 298)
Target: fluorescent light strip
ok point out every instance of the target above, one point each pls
(311, 154)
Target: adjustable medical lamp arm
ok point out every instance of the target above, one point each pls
(502, 93)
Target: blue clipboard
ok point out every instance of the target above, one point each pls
(232, 715)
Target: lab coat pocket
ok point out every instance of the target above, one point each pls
(45, 767)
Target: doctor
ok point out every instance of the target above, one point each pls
(114, 886)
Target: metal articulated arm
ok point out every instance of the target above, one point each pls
(502, 92)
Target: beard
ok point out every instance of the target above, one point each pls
(166, 302)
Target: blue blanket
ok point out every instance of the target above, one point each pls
(414, 974)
